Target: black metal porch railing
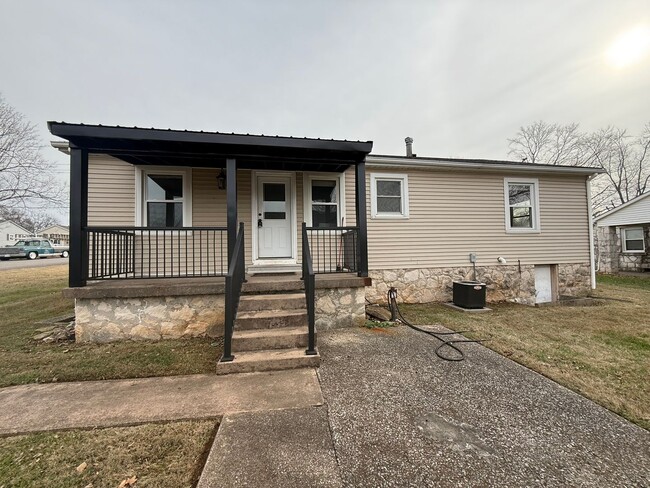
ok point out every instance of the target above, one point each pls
(150, 252)
(309, 279)
(334, 249)
(234, 280)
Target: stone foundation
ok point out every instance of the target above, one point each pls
(151, 318)
(504, 283)
(574, 280)
(340, 307)
(108, 319)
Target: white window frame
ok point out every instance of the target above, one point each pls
(141, 174)
(534, 197)
(624, 240)
(339, 179)
(404, 180)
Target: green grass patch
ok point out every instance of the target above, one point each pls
(156, 454)
(625, 281)
(373, 324)
(28, 296)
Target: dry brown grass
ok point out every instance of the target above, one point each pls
(602, 352)
(156, 454)
(33, 294)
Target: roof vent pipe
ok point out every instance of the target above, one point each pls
(409, 147)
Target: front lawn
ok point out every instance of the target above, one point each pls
(170, 454)
(602, 352)
(28, 296)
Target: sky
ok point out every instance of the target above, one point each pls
(460, 77)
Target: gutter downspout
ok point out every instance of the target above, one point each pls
(590, 219)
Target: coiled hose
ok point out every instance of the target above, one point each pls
(459, 355)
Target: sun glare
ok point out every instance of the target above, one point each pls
(629, 48)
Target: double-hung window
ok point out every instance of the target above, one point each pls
(165, 198)
(633, 240)
(324, 203)
(522, 205)
(389, 195)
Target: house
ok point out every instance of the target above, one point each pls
(623, 237)
(182, 233)
(57, 234)
(10, 232)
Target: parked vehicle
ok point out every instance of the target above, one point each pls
(32, 249)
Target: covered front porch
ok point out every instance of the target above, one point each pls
(193, 190)
(178, 208)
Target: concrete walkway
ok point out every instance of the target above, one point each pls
(401, 417)
(87, 404)
(394, 415)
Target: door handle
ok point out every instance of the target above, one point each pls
(259, 223)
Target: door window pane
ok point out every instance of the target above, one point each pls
(274, 192)
(274, 204)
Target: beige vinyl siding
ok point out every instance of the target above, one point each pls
(111, 191)
(455, 213)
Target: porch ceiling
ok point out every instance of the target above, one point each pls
(211, 149)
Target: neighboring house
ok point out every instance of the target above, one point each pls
(10, 232)
(57, 234)
(151, 203)
(623, 237)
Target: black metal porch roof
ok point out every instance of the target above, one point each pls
(152, 146)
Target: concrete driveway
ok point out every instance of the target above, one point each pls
(401, 417)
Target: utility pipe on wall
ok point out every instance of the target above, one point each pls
(590, 219)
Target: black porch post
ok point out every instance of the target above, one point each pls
(78, 255)
(231, 205)
(362, 219)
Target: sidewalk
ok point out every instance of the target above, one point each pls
(109, 403)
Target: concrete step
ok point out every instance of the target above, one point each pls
(268, 360)
(284, 301)
(260, 339)
(271, 319)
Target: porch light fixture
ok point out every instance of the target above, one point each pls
(221, 180)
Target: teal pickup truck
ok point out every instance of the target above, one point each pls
(32, 249)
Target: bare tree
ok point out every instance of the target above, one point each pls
(625, 159)
(25, 176)
(33, 221)
(548, 144)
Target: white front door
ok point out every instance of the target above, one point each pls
(274, 217)
(543, 288)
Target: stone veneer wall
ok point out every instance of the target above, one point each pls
(609, 249)
(504, 283)
(340, 307)
(173, 317)
(152, 318)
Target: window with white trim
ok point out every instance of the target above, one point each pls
(633, 240)
(522, 205)
(165, 198)
(389, 195)
(324, 202)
